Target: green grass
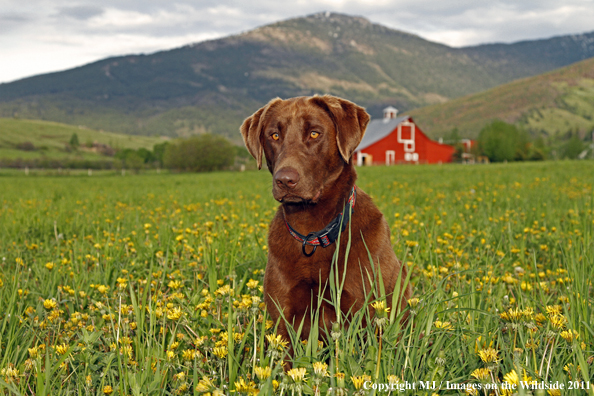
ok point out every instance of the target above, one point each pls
(51, 138)
(150, 284)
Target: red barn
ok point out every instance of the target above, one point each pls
(398, 140)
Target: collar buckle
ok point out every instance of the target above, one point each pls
(308, 241)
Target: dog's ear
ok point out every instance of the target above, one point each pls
(349, 119)
(251, 131)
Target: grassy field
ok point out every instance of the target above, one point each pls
(51, 138)
(151, 284)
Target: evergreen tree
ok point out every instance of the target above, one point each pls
(74, 143)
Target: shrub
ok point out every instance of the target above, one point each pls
(572, 148)
(500, 141)
(202, 153)
(25, 146)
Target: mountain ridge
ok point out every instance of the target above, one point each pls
(212, 85)
(551, 104)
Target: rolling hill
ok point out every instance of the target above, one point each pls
(552, 104)
(30, 139)
(213, 85)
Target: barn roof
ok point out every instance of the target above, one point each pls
(379, 129)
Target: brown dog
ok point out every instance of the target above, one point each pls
(308, 143)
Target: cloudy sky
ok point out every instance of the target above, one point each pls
(39, 36)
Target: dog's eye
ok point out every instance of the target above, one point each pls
(275, 136)
(314, 134)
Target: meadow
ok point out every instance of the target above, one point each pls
(151, 285)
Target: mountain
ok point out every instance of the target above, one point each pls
(213, 85)
(553, 104)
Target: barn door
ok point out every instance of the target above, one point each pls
(390, 157)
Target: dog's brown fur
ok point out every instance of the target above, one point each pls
(312, 178)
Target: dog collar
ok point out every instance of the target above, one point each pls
(328, 235)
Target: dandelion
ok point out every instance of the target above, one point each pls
(49, 266)
(471, 391)
(569, 335)
(205, 385)
(512, 315)
(252, 284)
(33, 352)
(10, 373)
(61, 349)
(481, 374)
(189, 354)
(512, 378)
(540, 319)
(220, 352)
(320, 369)
(175, 314)
(340, 380)
(174, 284)
(276, 342)
(554, 310)
(558, 322)
(243, 386)
(413, 302)
(223, 291)
(393, 380)
(443, 325)
(380, 308)
(102, 289)
(489, 355)
(297, 374)
(358, 381)
(50, 304)
(263, 373)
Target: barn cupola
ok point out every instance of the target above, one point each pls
(390, 112)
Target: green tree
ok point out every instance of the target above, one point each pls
(202, 153)
(134, 161)
(147, 155)
(572, 148)
(453, 137)
(159, 152)
(74, 143)
(500, 141)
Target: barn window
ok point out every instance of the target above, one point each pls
(411, 157)
(406, 136)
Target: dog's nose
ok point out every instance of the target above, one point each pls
(287, 177)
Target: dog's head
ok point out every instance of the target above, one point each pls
(307, 141)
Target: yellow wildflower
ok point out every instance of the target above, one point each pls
(297, 374)
(263, 373)
(489, 355)
(50, 304)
